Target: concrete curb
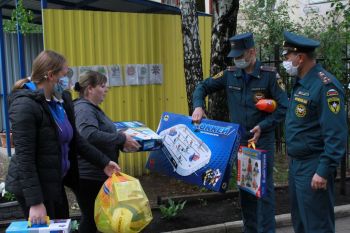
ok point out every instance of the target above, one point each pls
(282, 220)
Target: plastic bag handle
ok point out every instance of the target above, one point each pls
(121, 177)
(47, 223)
(251, 145)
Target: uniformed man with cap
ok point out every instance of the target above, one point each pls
(316, 135)
(245, 84)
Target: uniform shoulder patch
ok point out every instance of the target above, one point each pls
(218, 75)
(280, 82)
(334, 104)
(231, 68)
(324, 78)
(268, 68)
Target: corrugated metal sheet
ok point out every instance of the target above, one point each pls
(103, 38)
(33, 45)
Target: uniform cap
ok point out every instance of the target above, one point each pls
(240, 43)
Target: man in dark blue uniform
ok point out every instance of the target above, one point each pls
(316, 134)
(245, 84)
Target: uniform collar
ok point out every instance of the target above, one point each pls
(256, 71)
(308, 80)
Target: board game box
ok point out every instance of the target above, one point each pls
(55, 226)
(251, 170)
(200, 154)
(146, 137)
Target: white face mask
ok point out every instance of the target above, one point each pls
(241, 63)
(290, 69)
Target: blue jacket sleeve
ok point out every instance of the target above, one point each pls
(332, 119)
(280, 96)
(208, 86)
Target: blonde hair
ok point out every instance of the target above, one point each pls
(46, 61)
(89, 78)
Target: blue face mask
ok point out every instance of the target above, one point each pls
(63, 84)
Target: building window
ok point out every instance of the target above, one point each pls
(171, 2)
(317, 1)
(267, 4)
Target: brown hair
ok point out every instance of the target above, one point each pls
(89, 78)
(46, 61)
(19, 84)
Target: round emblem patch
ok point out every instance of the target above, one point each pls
(300, 110)
(258, 96)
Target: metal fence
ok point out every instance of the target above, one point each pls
(33, 45)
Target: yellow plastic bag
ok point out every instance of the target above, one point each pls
(122, 206)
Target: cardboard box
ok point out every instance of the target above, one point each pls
(251, 171)
(200, 154)
(146, 137)
(56, 226)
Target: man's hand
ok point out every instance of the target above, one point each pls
(111, 167)
(130, 144)
(37, 214)
(256, 131)
(318, 182)
(197, 115)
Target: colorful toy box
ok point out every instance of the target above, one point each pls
(146, 137)
(201, 154)
(251, 171)
(55, 226)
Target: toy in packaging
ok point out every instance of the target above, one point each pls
(200, 154)
(251, 170)
(53, 226)
(147, 138)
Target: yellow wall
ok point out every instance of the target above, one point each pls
(104, 38)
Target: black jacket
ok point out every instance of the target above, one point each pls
(100, 131)
(35, 170)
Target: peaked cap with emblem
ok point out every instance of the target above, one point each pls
(240, 43)
(297, 43)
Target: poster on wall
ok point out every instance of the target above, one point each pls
(101, 69)
(142, 74)
(73, 76)
(115, 75)
(156, 74)
(83, 69)
(131, 74)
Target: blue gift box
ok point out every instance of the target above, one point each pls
(146, 137)
(55, 226)
(251, 171)
(200, 154)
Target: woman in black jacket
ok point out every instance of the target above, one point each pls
(46, 141)
(100, 131)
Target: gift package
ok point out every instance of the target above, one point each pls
(146, 137)
(251, 170)
(200, 154)
(54, 226)
(122, 206)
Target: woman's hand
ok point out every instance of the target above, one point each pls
(111, 167)
(130, 144)
(37, 214)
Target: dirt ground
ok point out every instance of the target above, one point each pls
(200, 211)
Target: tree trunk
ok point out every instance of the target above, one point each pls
(192, 52)
(224, 26)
